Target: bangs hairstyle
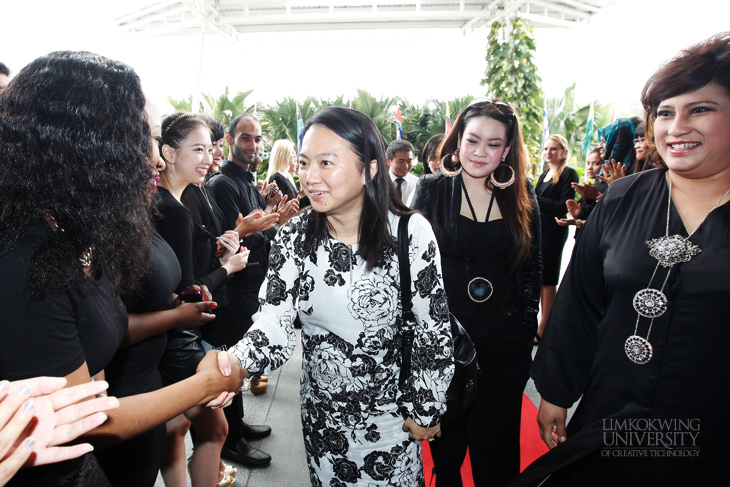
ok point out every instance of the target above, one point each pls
(515, 201)
(693, 68)
(380, 195)
(74, 140)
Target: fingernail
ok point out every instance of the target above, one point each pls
(28, 443)
(213, 305)
(227, 371)
(562, 439)
(24, 391)
(28, 406)
(4, 386)
(205, 298)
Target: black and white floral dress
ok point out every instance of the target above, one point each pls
(349, 388)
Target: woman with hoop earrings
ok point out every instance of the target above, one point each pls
(487, 224)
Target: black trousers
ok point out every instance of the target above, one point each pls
(491, 427)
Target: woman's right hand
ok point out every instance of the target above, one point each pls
(551, 419)
(222, 387)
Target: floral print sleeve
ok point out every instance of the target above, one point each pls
(270, 341)
(432, 357)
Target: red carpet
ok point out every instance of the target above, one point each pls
(531, 446)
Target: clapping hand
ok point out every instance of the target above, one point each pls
(37, 415)
(612, 171)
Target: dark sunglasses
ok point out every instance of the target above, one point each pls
(482, 102)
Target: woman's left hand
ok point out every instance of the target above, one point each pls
(231, 242)
(419, 433)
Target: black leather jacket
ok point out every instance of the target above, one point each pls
(438, 197)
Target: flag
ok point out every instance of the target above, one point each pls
(545, 130)
(399, 124)
(300, 129)
(447, 120)
(589, 129)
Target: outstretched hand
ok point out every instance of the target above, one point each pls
(255, 222)
(587, 191)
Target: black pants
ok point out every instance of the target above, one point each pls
(491, 427)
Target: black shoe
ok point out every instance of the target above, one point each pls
(254, 432)
(245, 454)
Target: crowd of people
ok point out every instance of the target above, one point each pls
(156, 279)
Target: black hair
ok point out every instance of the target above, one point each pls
(380, 198)
(234, 122)
(4, 69)
(396, 146)
(429, 151)
(216, 128)
(75, 144)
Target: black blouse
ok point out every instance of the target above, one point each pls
(581, 355)
(193, 245)
(516, 293)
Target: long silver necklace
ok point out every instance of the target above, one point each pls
(652, 303)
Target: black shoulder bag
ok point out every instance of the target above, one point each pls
(463, 387)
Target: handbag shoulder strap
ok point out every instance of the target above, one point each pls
(407, 316)
(405, 267)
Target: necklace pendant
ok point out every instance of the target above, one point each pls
(672, 249)
(650, 303)
(638, 349)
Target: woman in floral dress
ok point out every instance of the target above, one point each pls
(337, 266)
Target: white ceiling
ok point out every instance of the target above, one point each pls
(234, 19)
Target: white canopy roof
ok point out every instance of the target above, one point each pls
(235, 18)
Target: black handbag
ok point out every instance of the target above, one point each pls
(463, 387)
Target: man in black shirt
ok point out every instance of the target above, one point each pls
(235, 193)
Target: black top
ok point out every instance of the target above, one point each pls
(234, 192)
(63, 330)
(439, 198)
(582, 354)
(66, 328)
(552, 197)
(193, 245)
(284, 185)
(133, 370)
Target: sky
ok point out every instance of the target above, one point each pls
(609, 58)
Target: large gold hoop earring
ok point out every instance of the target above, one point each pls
(505, 184)
(455, 158)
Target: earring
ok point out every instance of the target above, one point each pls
(455, 159)
(505, 184)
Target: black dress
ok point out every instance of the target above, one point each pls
(184, 350)
(582, 353)
(66, 328)
(501, 328)
(133, 370)
(551, 198)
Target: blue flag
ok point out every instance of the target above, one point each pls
(300, 129)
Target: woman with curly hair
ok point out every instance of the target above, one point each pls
(337, 265)
(75, 236)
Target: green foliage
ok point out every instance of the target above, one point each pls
(225, 109)
(382, 112)
(280, 121)
(512, 76)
